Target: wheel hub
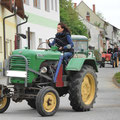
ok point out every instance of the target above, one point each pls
(88, 89)
(49, 103)
(3, 102)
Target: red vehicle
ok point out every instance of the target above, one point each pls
(108, 58)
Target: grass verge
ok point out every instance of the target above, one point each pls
(117, 77)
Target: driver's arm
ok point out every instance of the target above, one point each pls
(70, 43)
(51, 44)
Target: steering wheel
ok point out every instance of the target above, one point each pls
(58, 40)
(38, 48)
(47, 43)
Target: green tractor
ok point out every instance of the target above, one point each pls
(42, 76)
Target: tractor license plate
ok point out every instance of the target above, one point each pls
(12, 73)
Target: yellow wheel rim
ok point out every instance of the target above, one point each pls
(49, 102)
(117, 61)
(3, 102)
(114, 64)
(88, 89)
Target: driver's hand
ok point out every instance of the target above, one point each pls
(60, 48)
(47, 41)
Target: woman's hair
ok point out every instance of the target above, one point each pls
(66, 29)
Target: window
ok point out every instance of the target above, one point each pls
(56, 8)
(26, 2)
(52, 5)
(1, 45)
(8, 47)
(47, 5)
(36, 3)
(87, 14)
(80, 46)
(11, 47)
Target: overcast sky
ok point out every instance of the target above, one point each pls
(110, 9)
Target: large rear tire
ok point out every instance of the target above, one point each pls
(47, 101)
(4, 103)
(83, 89)
(116, 62)
(113, 63)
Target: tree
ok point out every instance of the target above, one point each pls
(100, 15)
(69, 16)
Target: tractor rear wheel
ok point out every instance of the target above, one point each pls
(113, 63)
(31, 103)
(83, 89)
(4, 103)
(47, 101)
(116, 62)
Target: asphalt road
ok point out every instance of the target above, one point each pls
(107, 106)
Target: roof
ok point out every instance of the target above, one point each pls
(18, 3)
(20, 11)
(7, 4)
(96, 14)
(79, 37)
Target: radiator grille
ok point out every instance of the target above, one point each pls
(19, 64)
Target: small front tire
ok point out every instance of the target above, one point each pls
(47, 101)
(4, 103)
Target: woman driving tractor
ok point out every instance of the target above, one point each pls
(63, 41)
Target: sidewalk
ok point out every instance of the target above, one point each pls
(3, 80)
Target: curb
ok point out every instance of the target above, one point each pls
(115, 82)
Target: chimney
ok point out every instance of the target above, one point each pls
(75, 5)
(94, 8)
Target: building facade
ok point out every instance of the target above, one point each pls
(89, 14)
(95, 38)
(94, 24)
(43, 17)
(10, 30)
(102, 33)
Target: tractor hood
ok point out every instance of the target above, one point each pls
(38, 54)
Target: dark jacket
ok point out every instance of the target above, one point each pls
(115, 50)
(62, 40)
(110, 50)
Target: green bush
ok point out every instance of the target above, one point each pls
(97, 55)
(117, 77)
(0, 70)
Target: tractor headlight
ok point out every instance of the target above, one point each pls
(43, 70)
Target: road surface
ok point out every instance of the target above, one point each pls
(107, 106)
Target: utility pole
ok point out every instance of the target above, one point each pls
(28, 37)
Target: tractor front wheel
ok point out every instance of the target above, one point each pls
(47, 101)
(116, 62)
(83, 89)
(4, 103)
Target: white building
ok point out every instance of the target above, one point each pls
(43, 19)
(101, 32)
(95, 39)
